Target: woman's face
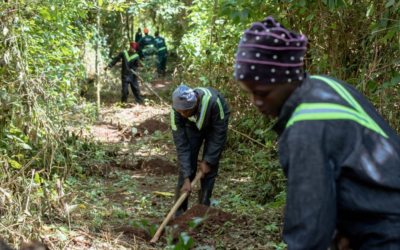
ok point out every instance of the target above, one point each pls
(268, 98)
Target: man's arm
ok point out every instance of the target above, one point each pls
(310, 215)
(216, 138)
(115, 60)
(181, 142)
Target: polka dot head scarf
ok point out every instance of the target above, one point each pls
(270, 54)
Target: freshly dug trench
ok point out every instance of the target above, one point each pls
(217, 218)
(152, 125)
(157, 167)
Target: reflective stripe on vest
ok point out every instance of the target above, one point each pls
(221, 110)
(128, 59)
(329, 111)
(173, 125)
(160, 49)
(204, 104)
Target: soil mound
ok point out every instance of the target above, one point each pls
(217, 219)
(152, 125)
(123, 165)
(133, 232)
(157, 167)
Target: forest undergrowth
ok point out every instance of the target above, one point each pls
(123, 161)
(80, 171)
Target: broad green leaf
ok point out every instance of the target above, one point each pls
(370, 11)
(45, 14)
(309, 17)
(14, 164)
(36, 179)
(243, 14)
(390, 3)
(24, 146)
(100, 3)
(61, 236)
(71, 208)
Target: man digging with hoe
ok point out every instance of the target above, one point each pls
(198, 115)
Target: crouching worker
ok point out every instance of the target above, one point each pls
(198, 115)
(340, 157)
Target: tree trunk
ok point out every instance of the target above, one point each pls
(212, 29)
(133, 29)
(127, 27)
(97, 63)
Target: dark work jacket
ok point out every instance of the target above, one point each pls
(138, 36)
(146, 42)
(161, 47)
(211, 117)
(127, 64)
(343, 171)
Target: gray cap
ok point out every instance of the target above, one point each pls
(184, 98)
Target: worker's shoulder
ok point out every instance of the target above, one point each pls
(316, 90)
(214, 94)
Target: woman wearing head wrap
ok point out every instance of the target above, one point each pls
(340, 157)
(198, 115)
(130, 60)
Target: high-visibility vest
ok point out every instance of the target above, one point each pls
(331, 111)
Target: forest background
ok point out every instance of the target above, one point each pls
(51, 51)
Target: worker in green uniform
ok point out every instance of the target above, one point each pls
(161, 50)
(146, 44)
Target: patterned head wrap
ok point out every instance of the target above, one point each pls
(184, 98)
(270, 54)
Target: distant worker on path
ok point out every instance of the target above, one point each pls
(130, 60)
(198, 115)
(162, 52)
(138, 35)
(146, 44)
(340, 157)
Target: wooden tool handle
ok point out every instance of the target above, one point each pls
(175, 207)
(136, 74)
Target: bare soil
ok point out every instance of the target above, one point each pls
(133, 232)
(217, 219)
(154, 167)
(157, 167)
(152, 125)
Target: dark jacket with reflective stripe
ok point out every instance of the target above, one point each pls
(161, 47)
(128, 62)
(210, 117)
(146, 42)
(343, 171)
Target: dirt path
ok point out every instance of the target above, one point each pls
(120, 195)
